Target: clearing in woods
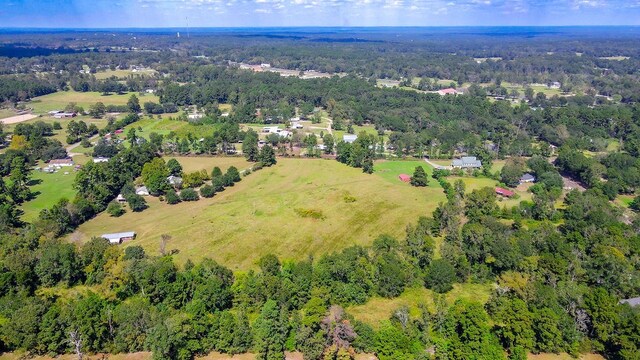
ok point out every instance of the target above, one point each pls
(258, 215)
(60, 99)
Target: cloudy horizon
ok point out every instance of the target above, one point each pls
(294, 13)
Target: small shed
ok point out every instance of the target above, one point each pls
(118, 238)
(504, 192)
(404, 178)
(121, 199)
(100, 159)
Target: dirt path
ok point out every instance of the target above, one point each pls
(73, 146)
(436, 166)
(18, 119)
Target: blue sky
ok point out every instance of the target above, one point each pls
(257, 13)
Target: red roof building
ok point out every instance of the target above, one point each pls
(404, 177)
(449, 91)
(504, 192)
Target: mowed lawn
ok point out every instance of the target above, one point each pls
(60, 99)
(51, 188)
(257, 216)
(197, 163)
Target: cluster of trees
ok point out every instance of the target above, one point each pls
(361, 152)
(558, 290)
(78, 130)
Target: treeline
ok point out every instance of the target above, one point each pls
(558, 290)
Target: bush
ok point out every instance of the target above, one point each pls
(218, 183)
(207, 191)
(189, 194)
(114, 209)
(440, 276)
(172, 198)
(136, 202)
(233, 174)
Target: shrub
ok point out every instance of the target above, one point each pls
(440, 276)
(114, 209)
(310, 213)
(172, 197)
(136, 202)
(189, 194)
(207, 191)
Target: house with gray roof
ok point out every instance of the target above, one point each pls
(632, 302)
(466, 162)
(118, 238)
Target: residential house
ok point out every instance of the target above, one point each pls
(142, 191)
(175, 181)
(100, 159)
(449, 91)
(64, 115)
(466, 162)
(270, 129)
(504, 192)
(349, 138)
(121, 199)
(633, 302)
(61, 162)
(118, 238)
(527, 178)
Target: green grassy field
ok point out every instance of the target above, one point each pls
(164, 126)
(122, 74)
(5, 113)
(58, 100)
(191, 163)
(50, 190)
(378, 309)
(357, 129)
(389, 170)
(257, 216)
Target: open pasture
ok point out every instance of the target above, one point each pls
(258, 215)
(60, 99)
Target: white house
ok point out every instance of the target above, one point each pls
(270, 129)
(64, 115)
(61, 162)
(118, 238)
(100, 159)
(349, 138)
(142, 191)
(195, 116)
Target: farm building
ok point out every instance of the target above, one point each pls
(527, 178)
(404, 178)
(54, 112)
(142, 191)
(504, 192)
(61, 162)
(349, 138)
(466, 162)
(118, 238)
(64, 115)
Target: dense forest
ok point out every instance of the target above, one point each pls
(559, 265)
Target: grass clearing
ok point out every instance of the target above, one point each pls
(49, 190)
(164, 126)
(58, 100)
(257, 216)
(123, 74)
(5, 113)
(378, 309)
